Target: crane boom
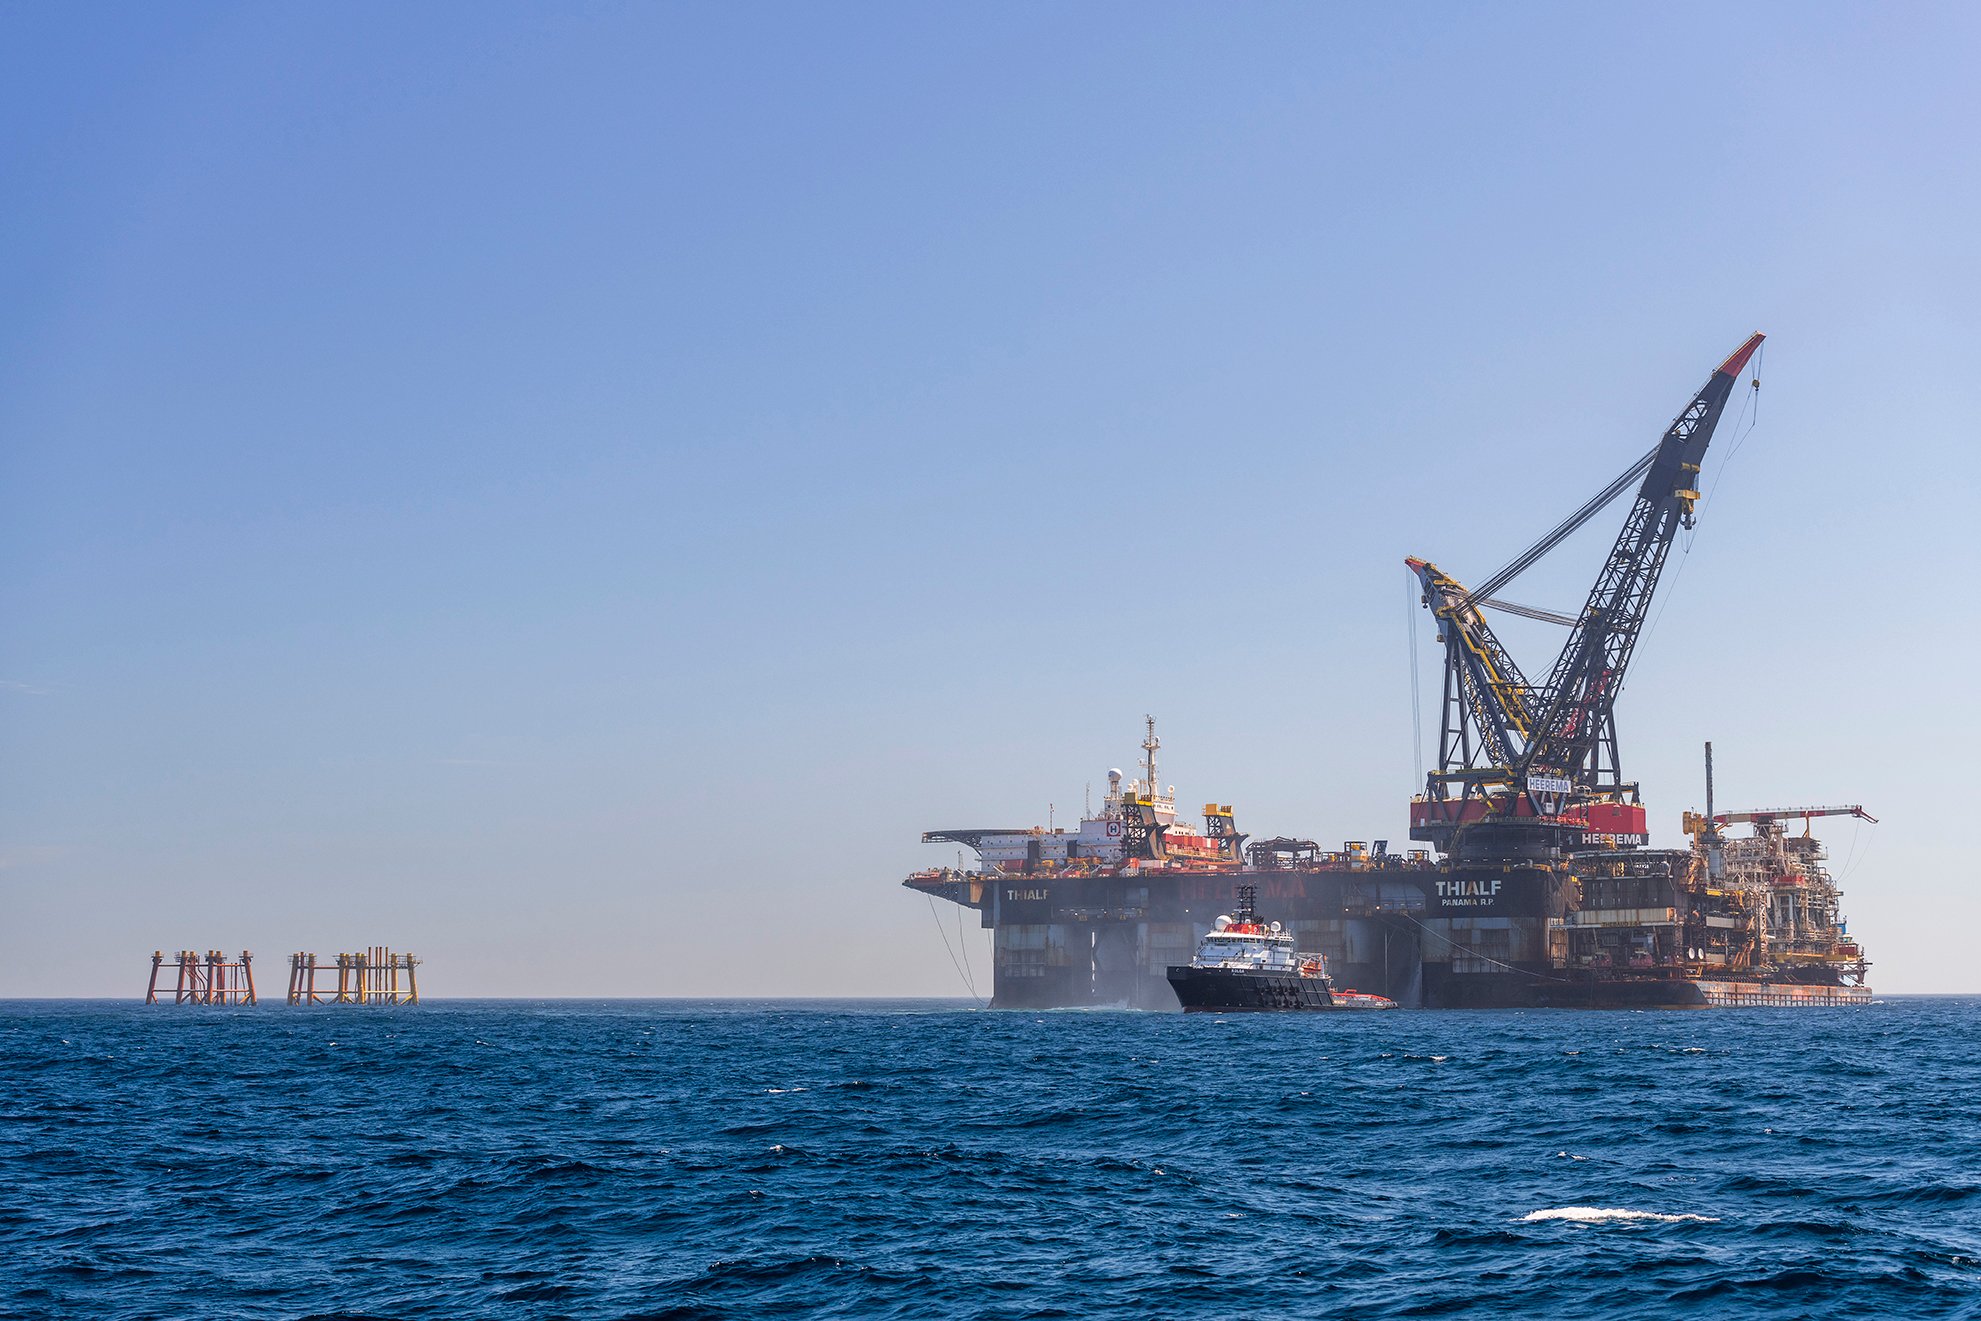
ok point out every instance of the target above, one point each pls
(1529, 764)
(1790, 813)
(1492, 693)
(1575, 732)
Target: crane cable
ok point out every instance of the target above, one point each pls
(1853, 859)
(1411, 587)
(1754, 396)
(1753, 399)
(1562, 531)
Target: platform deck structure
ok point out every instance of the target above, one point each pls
(202, 979)
(376, 975)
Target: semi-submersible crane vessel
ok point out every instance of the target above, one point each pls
(1537, 888)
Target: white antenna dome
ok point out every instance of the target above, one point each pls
(1221, 923)
(1114, 777)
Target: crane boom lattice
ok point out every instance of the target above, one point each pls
(1510, 747)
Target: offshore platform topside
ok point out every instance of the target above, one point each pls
(1537, 888)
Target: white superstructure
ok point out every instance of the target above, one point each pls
(1246, 947)
(1135, 828)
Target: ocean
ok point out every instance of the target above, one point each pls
(930, 1159)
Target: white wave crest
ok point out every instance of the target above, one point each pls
(1596, 1215)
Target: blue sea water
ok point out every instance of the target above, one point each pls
(910, 1159)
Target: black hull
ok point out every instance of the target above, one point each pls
(1545, 988)
(1226, 989)
(1567, 990)
(1457, 937)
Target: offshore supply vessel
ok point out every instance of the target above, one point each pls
(1244, 963)
(1537, 887)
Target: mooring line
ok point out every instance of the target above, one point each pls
(967, 985)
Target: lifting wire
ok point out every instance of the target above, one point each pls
(1853, 859)
(950, 952)
(1752, 400)
(1754, 396)
(1411, 589)
(1685, 547)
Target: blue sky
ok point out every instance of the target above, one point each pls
(523, 483)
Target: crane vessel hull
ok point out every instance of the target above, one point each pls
(1423, 934)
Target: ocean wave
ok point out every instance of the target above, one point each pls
(1599, 1215)
(1103, 1165)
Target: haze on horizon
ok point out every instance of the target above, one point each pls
(574, 492)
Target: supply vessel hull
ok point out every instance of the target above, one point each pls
(1229, 989)
(1246, 962)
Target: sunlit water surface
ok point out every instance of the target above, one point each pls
(897, 1159)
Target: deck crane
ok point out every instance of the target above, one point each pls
(1706, 827)
(1538, 763)
(1707, 832)
(1769, 815)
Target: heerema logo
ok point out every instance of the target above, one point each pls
(1549, 792)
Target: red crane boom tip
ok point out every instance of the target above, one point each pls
(1732, 366)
